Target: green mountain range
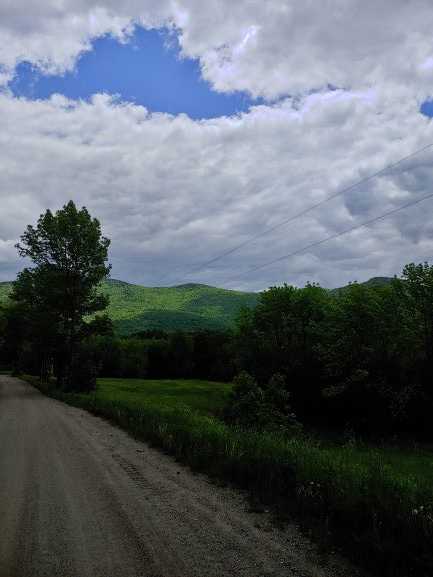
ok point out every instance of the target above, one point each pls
(136, 308)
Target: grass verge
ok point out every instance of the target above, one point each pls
(381, 517)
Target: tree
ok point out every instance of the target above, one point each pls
(418, 291)
(70, 255)
(284, 334)
(353, 356)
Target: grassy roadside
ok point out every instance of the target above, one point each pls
(379, 512)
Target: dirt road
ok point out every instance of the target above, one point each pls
(80, 498)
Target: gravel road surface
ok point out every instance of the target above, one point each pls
(80, 498)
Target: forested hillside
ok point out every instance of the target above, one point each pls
(136, 308)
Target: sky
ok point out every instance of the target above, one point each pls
(207, 137)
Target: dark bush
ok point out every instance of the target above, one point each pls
(261, 407)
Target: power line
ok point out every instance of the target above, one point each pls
(300, 214)
(334, 236)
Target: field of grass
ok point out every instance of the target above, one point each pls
(412, 466)
(136, 308)
(209, 398)
(204, 397)
(376, 503)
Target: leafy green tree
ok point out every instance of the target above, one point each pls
(371, 358)
(285, 334)
(418, 291)
(70, 258)
(355, 326)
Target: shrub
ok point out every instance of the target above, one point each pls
(261, 408)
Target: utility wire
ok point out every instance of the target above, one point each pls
(299, 214)
(334, 236)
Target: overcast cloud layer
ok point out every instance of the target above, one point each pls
(172, 192)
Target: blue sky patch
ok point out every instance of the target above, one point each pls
(147, 70)
(427, 108)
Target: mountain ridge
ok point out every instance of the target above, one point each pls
(191, 306)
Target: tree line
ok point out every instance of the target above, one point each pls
(359, 359)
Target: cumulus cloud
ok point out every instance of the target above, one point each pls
(268, 48)
(342, 85)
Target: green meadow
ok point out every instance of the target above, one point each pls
(204, 397)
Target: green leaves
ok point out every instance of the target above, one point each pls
(69, 255)
(261, 408)
(417, 290)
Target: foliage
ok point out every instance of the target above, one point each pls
(156, 354)
(358, 359)
(5, 291)
(285, 334)
(418, 292)
(260, 407)
(69, 255)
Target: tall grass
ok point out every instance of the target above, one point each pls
(384, 520)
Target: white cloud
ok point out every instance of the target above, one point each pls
(172, 192)
(299, 46)
(269, 48)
